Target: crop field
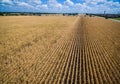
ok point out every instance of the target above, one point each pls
(59, 50)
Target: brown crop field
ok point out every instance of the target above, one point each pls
(59, 50)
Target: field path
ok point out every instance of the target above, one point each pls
(89, 53)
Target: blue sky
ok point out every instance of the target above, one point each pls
(60, 6)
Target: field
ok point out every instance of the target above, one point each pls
(59, 50)
(116, 18)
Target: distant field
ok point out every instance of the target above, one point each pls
(116, 18)
(59, 50)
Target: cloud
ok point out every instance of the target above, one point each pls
(112, 4)
(54, 4)
(97, 6)
(68, 3)
(35, 1)
(24, 4)
(43, 6)
(7, 2)
(86, 6)
(95, 1)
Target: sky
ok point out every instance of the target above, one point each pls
(61, 6)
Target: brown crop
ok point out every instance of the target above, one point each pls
(59, 50)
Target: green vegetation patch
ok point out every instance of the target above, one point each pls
(116, 18)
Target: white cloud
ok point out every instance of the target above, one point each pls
(54, 4)
(23, 4)
(7, 1)
(68, 3)
(35, 1)
(112, 4)
(42, 6)
(78, 5)
(93, 6)
(90, 6)
(96, 1)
